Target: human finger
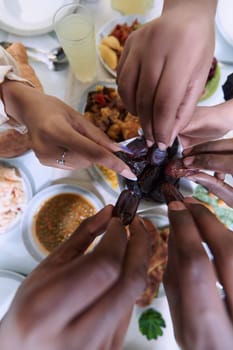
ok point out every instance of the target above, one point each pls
(86, 128)
(145, 96)
(127, 78)
(118, 336)
(219, 146)
(210, 161)
(171, 285)
(64, 297)
(83, 152)
(124, 293)
(216, 186)
(196, 275)
(219, 175)
(164, 109)
(123, 58)
(76, 245)
(187, 106)
(220, 241)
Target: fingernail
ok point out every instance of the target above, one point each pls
(191, 200)
(176, 205)
(188, 161)
(140, 132)
(162, 146)
(149, 143)
(125, 149)
(129, 174)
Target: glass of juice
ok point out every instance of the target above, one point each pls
(128, 7)
(74, 27)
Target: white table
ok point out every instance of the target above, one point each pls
(13, 255)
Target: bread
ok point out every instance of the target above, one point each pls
(109, 56)
(19, 53)
(12, 142)
(112, 42)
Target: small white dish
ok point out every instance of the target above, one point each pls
(27, 189)
(31, 242)
(106, 29)
(224, 19)
(28, 17)
(9, 282)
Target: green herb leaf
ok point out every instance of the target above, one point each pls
(151, 323)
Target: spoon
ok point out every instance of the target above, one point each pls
(55, 59)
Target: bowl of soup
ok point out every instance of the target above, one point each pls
(54, 214)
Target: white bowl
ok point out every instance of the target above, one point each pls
(27, 188)
(31, 242)
(9, 282)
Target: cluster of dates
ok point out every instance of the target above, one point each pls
(157, 174)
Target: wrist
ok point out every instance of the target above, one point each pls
(13, 95)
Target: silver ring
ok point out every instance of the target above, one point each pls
(62, 161)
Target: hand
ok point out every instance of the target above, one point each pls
(164, 67)
(201, 318)
(76, 301)
(207, 123)
(54, 127)
(216, 156)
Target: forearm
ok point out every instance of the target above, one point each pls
(208, 7)
(224, 115)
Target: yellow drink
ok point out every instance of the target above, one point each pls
(128, 7)
(77, 37)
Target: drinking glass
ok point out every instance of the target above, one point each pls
(128, 7)
(74, 26)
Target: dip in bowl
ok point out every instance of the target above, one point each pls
(54, 214)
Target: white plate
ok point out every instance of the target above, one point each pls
(224, 19)
(106, 30)
(28, 17)
(29, 239)
(9, 282)
(26, 182)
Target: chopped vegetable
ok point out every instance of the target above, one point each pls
(151, 323)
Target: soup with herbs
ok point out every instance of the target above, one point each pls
(58, 218)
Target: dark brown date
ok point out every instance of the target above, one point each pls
(148, 164)
(175, 168)
(126, 206)
(171, 193)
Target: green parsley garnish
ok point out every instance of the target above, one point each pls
(151, 323)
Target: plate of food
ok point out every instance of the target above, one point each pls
(111, 39)
(15, 193)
